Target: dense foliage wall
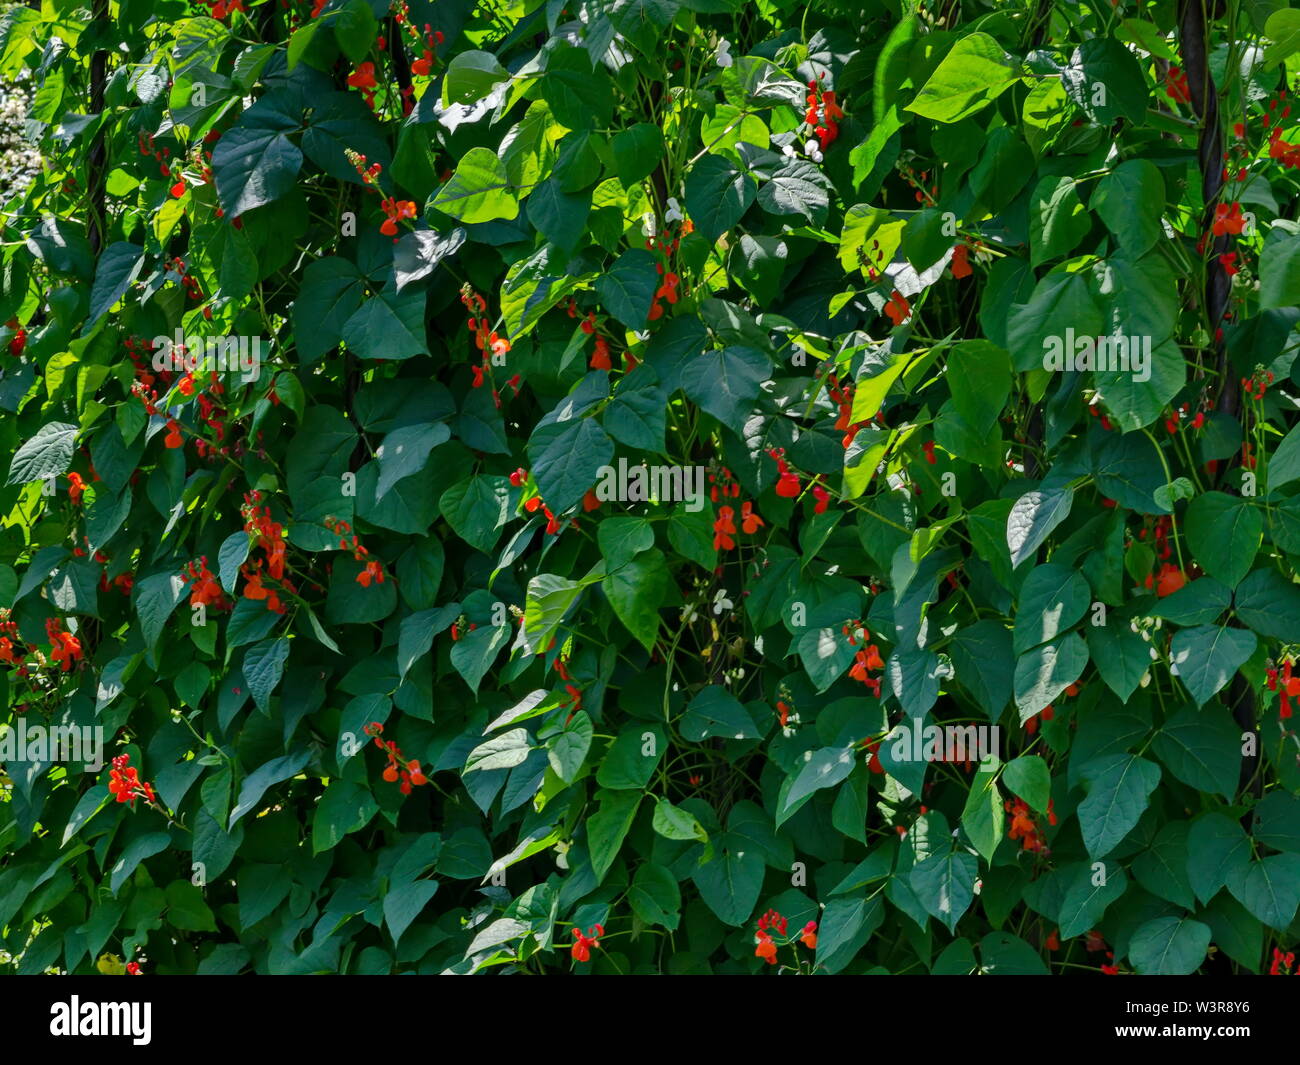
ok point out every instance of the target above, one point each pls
(515, 487)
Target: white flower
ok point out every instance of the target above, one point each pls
(648, 224)
(788, 151)
(812, 151)
(721, 602)
(688, 615)
(723, 55)
(674, 213)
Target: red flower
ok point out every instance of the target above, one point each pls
(173, 437)
(823, 498)
(363, 77)
(124, 782)
(1228, 219)
(724, 529)
(809, 935)
(766, 949)
(583, 943)
(1176, 86)
(396, 210)
(1169, 579)
(373, 571)
(960, 267)
(749, 521)
(898, 309)
(75, 487)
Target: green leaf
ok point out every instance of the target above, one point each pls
(403, 903)
(672, 822)
(628, 287)
(1169, 946)
(344, 808)
(1106, 82)
(717, 195)
(608, 827)
(945, 884)
(1058, 220)
(655, 897)
(1207, 656)
(1029, 777)
(1269, 888)
(1224, 533)
(477, 510)
(714, 712)
(266, 776)
(637, 151)
(263, 667)
(732, 880)
(479, 191)
(405, 451)
(637, 590)
(1201, 746)
(1277, 821)
(1130, 200)
(567, 751)
(972, 75)
(1120, 786)
(1279, 272)
(982, 817)
(48, 453)
(388, 326)
(726, 382)
(1270, 604)
(1217, 850)
(1037, 331)
(566, 458)
(254, 167)
(1032, 519)
(1046, 671)
(1084, 900)
(118, 268)
(1052, 599)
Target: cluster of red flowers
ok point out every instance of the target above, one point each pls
(1283, 964)
(842, 395)
(534, 503)
(1257, 383)
(771, 922)
(925, 190)
(10, 629)
(19, 340)
(1164, 525)
(374, 570)
(491, 345)
(582, 944)
(1286, 686)
(124, 782)
(399, 768)
(426, 42)
(267, 534)
(1176, 85)
(64, 647)
(724, 527)
(363, 78)
(1097, 412)
(219, 9)
(823, 114)
(867, 657)
(666, 246)
(147, 147)
(204, 590)
(189, 282)
(787, 483)
(1025, 828)
(729, 489)
(1174, 421)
